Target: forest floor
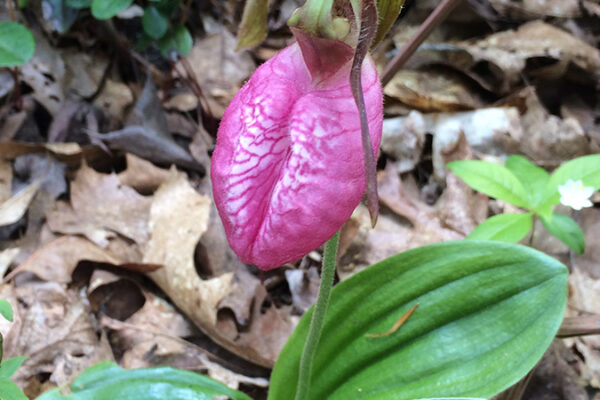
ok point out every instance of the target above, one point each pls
(111, 247)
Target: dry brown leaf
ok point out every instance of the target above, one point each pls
(142, 175)
(70, 153)
(14, 208)
(100, 207)
(533, 9)
(219, 69)
(55, 331)
(56, 261)
(498, 61)
(114, 99)
(432, 90)
(6, 175)
(549, 139)
(7, 256)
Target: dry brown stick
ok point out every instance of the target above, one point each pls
(579, 326)
(434, 19)
(11, 10)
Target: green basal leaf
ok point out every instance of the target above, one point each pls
(154, 22)
(492, 179)
(10, 366)
(253, 28)
(6, 310)
(567, 230)
(533, 178)
(79, 4)
(586, 169)
(503, 227)
(388, 11)
(10, 391)
(176, 42)
(105, 9)
(106, 380)
(16, 44)
(487, 313)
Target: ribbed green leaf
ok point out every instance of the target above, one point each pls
(492, 179)
(487, 312)
(567, 230)
(503, 227)
(105, 9)
(16, 44)
(107, 381)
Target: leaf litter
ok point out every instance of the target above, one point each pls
(111, 245)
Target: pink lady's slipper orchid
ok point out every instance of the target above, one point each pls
(288, 167)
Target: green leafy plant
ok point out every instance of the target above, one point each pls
(16, 44)
(8, 389)
(486, 314)
(528, 186)
(106, 380)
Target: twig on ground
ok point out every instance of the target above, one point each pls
(437, 16)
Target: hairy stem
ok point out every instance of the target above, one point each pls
(318, 318)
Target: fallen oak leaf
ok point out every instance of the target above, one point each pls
(179, 216)
(100, 207)
(56, 261)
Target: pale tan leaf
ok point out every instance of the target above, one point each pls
(14, 208)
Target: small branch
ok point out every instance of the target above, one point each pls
(579, 326)
(11, 10)
(435, 18)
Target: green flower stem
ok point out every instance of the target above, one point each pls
(533, 222)
(318, 318)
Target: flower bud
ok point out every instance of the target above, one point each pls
(288, 167)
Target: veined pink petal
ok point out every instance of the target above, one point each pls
(288, 167)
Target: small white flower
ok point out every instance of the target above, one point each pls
(575, 195)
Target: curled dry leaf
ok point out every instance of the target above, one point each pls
(14, 208)
(548, 138)
(101, 207)
(497, 61)
(149, 136)
(432, 90)
(56, 261)
(534, 9)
